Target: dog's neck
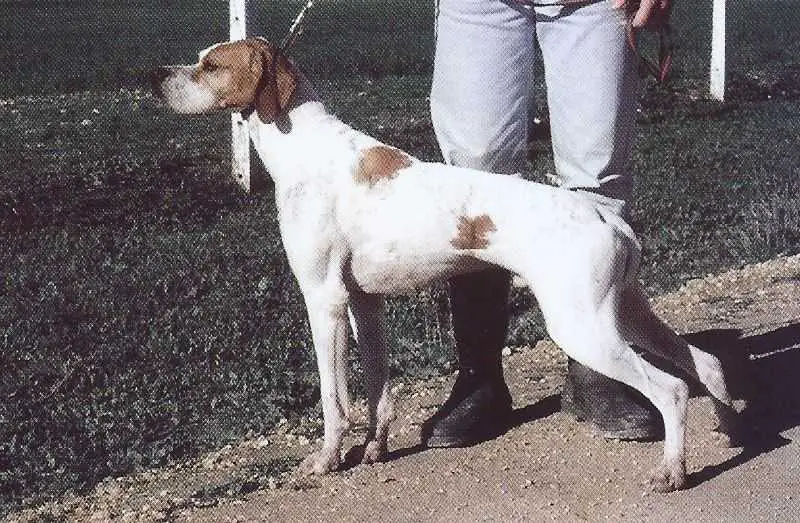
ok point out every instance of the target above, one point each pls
(306, 143)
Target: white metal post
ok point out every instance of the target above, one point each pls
(240, 134)
(717, 81)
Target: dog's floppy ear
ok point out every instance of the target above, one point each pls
(277, 84)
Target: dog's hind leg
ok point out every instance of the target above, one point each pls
(597, 343)
(327, 314)
(368, 320)
(608, 354)
(644, 329)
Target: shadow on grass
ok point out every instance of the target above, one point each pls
(763, 370)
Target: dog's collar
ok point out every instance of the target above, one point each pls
(248, 111)
(287, 42)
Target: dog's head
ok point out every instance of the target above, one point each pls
(242, 75)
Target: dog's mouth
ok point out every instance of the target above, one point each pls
(174, 86)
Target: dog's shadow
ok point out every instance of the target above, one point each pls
(763, 370)
(543, 408)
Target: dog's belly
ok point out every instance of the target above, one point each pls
(382, 271)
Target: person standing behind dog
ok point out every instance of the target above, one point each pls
(480, 101)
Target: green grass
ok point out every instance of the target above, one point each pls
(71, 46)
(147, 309)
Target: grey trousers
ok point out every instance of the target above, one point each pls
(482, 86)
(480, 101)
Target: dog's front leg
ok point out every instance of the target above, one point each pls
(368, 320)
(327, 313)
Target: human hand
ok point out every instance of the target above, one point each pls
(646, 13)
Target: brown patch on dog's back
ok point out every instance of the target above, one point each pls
(380, 163)
(472, 232)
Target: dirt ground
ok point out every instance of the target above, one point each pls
(547, 467)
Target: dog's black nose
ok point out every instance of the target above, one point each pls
(157, 77)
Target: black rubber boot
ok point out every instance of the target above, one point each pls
(615, 409)
(479, 406)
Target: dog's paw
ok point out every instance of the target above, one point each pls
(319, 462)
(667, 479)
(374, 452)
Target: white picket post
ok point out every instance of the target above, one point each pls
(717, 80)
(240, 134)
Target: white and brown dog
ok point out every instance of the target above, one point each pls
(360, 219)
